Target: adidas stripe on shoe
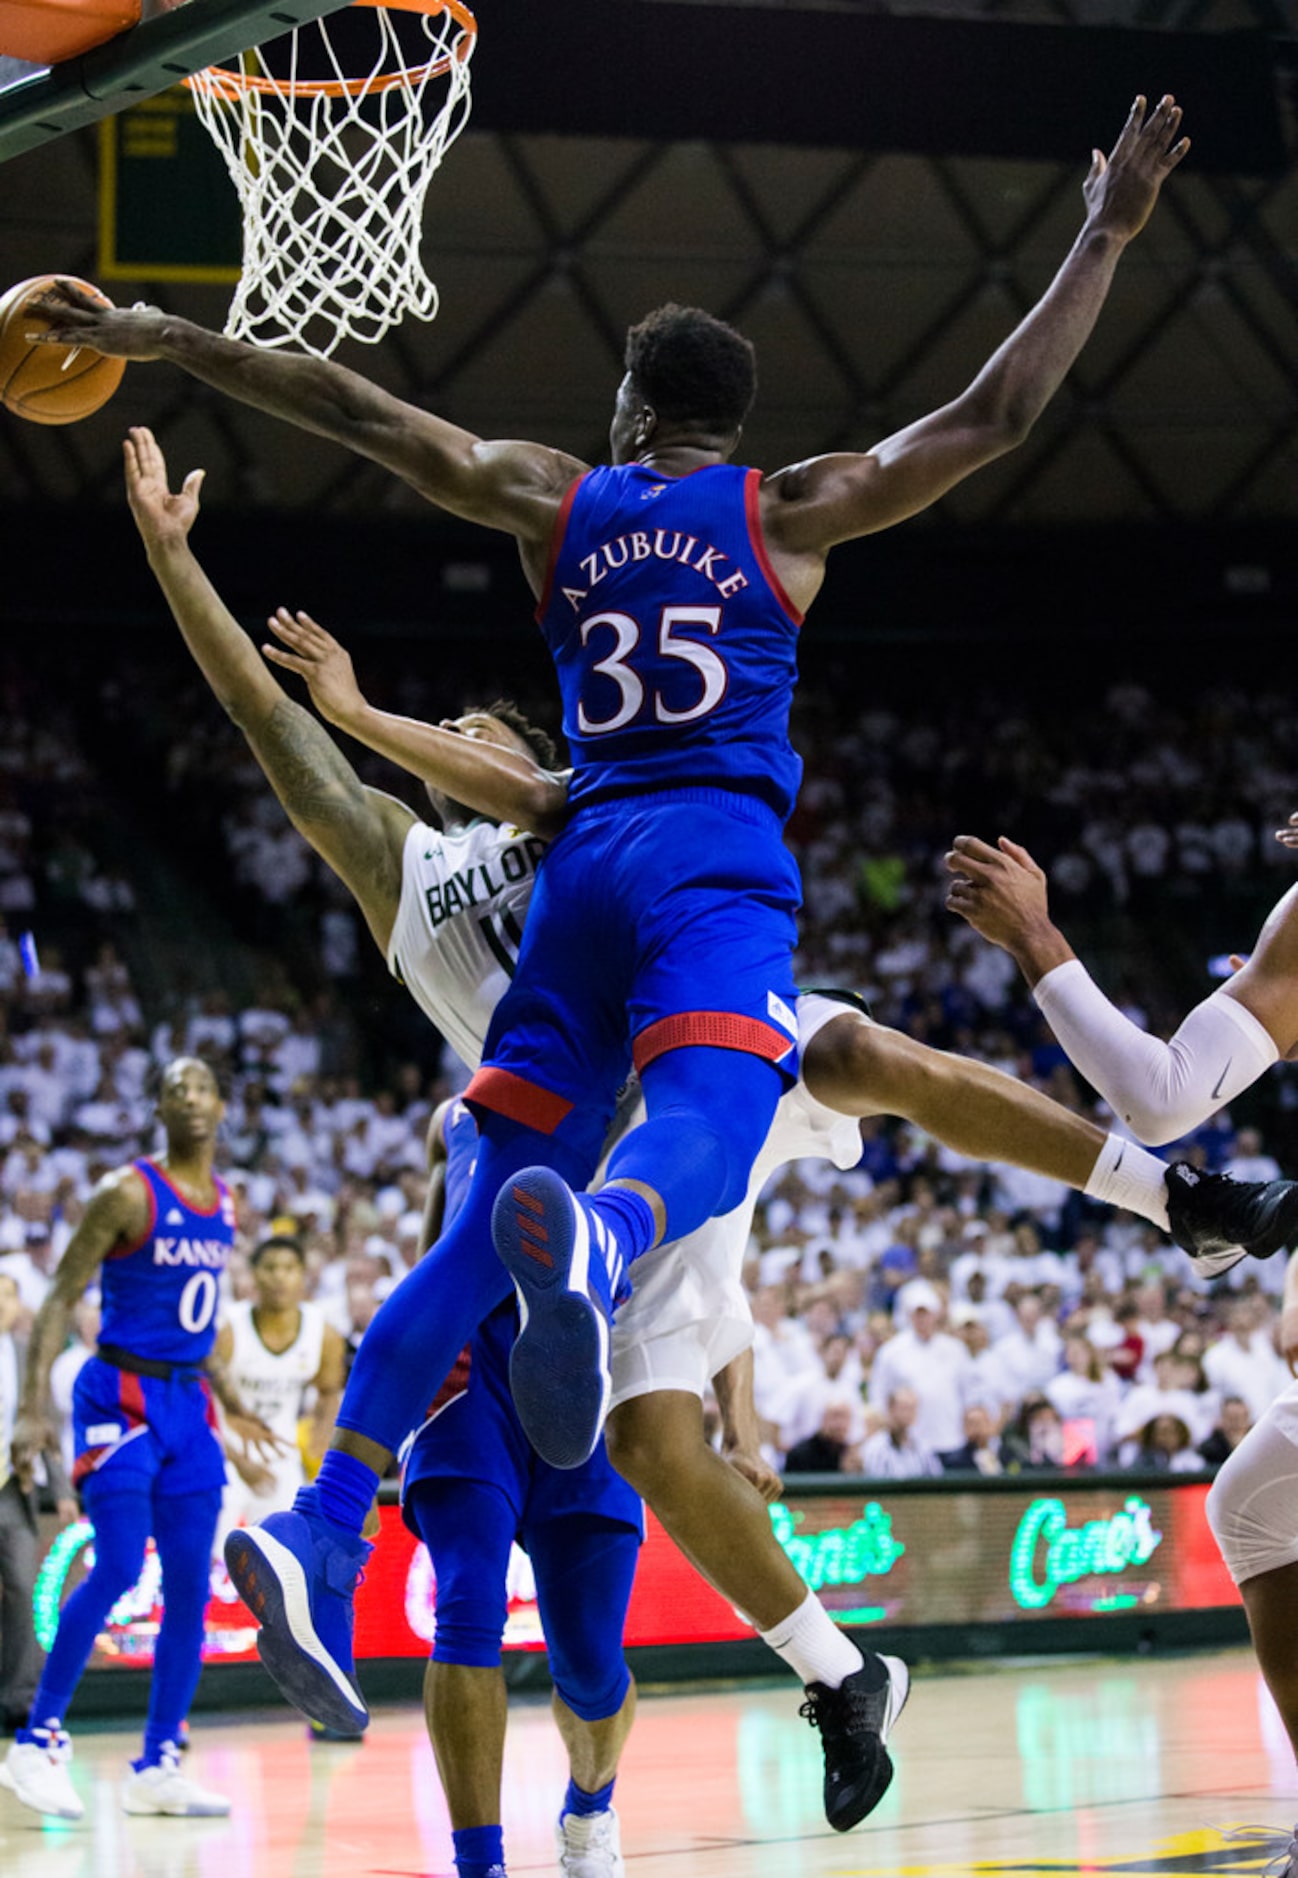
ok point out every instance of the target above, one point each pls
(566, 1268)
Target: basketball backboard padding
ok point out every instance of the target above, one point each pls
(49, 31)
(141, 62)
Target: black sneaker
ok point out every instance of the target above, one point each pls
(1220, 1221)
(855, 1722)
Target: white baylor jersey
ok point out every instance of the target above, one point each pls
(270, 1383)
(455, 940)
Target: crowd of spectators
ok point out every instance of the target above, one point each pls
(914, 1314)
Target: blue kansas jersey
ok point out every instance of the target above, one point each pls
(160, 1295)
(675, 646)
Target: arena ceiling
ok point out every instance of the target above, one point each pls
(874, 276)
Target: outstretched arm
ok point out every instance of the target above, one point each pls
(516, 487)
(1160, 1089)
(504, 784)
(808, 508)
(359, 832)
(117, 1212)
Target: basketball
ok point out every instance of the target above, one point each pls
(50, 384)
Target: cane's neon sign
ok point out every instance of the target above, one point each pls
(1101, 1546)
(840, 1555)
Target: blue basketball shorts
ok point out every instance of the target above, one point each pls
(473, 1433)
(657, 922)
(161, 1434)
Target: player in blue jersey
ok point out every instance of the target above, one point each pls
(157, 1232)
(470, 1485)
(664, 914)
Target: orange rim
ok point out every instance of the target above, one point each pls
(232, 86)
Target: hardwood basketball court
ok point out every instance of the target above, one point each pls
(1088, 1766)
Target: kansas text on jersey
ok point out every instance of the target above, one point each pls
(160, 1294)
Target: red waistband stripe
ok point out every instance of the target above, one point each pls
(712, 1030)
(518, 1099)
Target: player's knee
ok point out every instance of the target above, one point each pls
(116, 1569)
(636, 1450)
(593, 1687)
(469, 1632)
(853, 1066)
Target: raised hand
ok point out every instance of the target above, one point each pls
(1122, 188)
(72, 318)
(316, 655)
(161, 517)
(1000, 891)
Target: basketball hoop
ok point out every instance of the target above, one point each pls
(332, 169)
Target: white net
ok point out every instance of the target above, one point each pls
(332, 169)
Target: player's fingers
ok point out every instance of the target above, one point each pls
(194, 483)
(973, 848)
(285, 627)
(1017, 852)
(288, 660)
(1131, 129)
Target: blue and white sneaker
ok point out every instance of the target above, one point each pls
(297, 1573)
(566, 1269)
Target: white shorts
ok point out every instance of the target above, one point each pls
(688, 1315)
(1253, 1503)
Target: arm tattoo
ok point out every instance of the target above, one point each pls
(326, 800)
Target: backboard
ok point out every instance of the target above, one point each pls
(40, 102)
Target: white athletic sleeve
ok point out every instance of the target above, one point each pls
(1160, 1090)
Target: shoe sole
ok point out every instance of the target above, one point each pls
(175, 1812)
(47, 1812)
(1217, 1264)
(271, 1582)
(559, 1366)
(868, 1797)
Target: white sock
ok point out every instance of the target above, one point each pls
(813, 1646)
(1161, 1090)
(1128, 1175)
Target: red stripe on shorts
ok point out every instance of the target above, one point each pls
(712, 1030)
(518, 1099)
(86, 1464)
(130, 1395)
(454, 1386)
